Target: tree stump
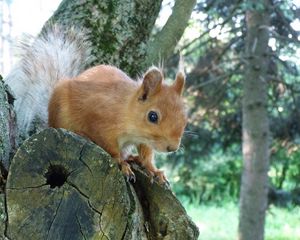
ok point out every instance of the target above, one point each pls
(62, 186)
(8, 128)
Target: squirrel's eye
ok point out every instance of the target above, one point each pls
(152, 117)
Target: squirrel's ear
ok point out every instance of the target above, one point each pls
(151, 83)
(178, 85)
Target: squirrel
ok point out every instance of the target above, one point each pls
(101, 103)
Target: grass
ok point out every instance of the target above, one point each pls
(220, 223)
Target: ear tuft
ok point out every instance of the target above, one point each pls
(151, 83)
(179, 83)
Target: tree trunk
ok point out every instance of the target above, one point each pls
(62, 186)
(8, 128)
(253, 199)
(117, 30)
(162, 45)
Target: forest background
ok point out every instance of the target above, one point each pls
(206, 173)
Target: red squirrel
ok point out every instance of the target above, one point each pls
(101, 103)
(106, 106)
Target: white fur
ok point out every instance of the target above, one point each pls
(54, 55)
(181, 65)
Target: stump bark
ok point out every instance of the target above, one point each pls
(8, 127)
(62, 186)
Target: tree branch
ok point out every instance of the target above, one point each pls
(162, 46)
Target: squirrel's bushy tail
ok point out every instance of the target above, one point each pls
(54, 55)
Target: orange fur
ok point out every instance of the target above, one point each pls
(111, 109)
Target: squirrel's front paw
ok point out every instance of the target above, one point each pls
(126, 170)
(160, 177)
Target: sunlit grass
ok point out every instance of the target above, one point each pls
(283, 224)
(220, 222)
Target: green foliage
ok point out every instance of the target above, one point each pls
(259, 6)
(211, 165)
(285, 168)
(212, 178)
(215, 177)
(220, 223)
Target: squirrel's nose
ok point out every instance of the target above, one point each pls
(171, 149)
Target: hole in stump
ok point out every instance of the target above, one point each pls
(163, 228)
(56, 176)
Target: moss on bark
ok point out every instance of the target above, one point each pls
(118, 30)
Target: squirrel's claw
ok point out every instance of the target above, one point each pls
(131, 178)
(159, 177)
(129, 174)
(167, 185)
(151, 177)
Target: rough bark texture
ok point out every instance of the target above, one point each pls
(118, 30)
(3, 216)
(8, 137)
(163, 44)
(62, 186)
(164, 215)
(253, 199)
